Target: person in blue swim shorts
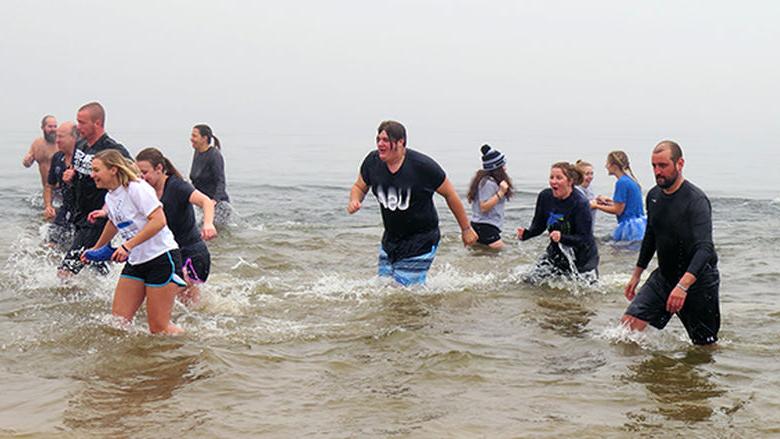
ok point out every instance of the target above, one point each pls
(404, 181)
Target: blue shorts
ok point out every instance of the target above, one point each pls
(409, 271)
(157, 272)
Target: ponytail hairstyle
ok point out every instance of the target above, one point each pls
(620, 159)
(114, 159)
(571, 172)
(205, 131)
(155, 157)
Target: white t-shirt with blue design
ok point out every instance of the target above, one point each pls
(128, 209)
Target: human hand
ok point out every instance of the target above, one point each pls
(49, 213)
(469, 236)
(520, 232)
(67, 175)
(120, 255)
(28, 160)
(676, 300)
(503, 186)
(95, 214)
(555, 236)
(630, 289)
(208, 232)
(353, 206)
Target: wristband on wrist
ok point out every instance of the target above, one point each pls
(125, 249)
(680, 286)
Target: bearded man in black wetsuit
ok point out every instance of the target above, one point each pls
(679, 229)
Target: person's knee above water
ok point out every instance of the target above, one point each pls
(178, 197)
(565, 214)
(207, 172)
(153, 261)
(488, 192)
(679, 231)
(404, 181)
(626, 202)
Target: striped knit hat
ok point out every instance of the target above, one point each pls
(492, 158)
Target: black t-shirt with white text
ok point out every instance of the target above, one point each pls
(87, 196)
(406, 201)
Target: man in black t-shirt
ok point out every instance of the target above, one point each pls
(679, 229)
(61, 230)
(404, 181)
(91, 126)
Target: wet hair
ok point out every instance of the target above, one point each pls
(205, 131)
(114, 159)
(155, 158)
(45, 118)
(673, 147)
(395, 131)
(498, 175)
(620, 159)
(570, 171)
(96, 112)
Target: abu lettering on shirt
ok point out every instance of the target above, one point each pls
(128, 209)
(406, 201)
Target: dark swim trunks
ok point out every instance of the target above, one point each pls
(700, 314)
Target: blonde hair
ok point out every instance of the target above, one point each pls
(581, 165)
(620, 159)
(124, 167)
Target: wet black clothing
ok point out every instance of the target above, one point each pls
(179, 212)
(66, 211)
(679, 228)
(572, 217)
(406, 201)
(207, 174)
(87, 196)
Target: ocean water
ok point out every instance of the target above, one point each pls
(296, 336)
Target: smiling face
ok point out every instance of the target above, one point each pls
(197, 140)
(152, 175)
(104, 177)
(587, 176)
(560, 184)
(389, 151)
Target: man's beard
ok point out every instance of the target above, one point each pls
(666, 183)
(50, 137)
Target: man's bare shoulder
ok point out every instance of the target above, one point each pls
(41, 150)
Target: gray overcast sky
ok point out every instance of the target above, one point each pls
(706, 69)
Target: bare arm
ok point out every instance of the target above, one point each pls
(48, 208)
(198, 198)
(614, 208)
(29, 158)
(491, 202)
(447, 190)
(356, 195)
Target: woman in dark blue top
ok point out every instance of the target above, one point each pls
(207, 172)
(177, 197)
(565, 214)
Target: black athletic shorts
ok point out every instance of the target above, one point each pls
(196, 262)
(157, 272)
(700, 313)
(84, 238)
(486, 233)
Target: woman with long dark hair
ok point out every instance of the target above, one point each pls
(207, 172)
(489, 190)
(178, 197)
